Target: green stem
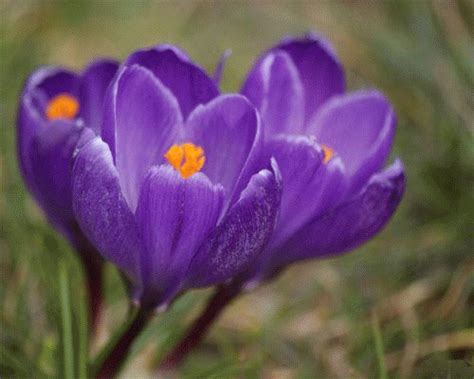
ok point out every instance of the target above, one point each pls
(199, 328)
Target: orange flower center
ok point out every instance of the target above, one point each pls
(62, 106)
(186, 158)
(328, 153)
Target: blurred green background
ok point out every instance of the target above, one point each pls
(398, 306)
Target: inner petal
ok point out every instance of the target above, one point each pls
(62, 106)
(186, 158)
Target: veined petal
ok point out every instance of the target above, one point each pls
(310, 187)
(360, 127)
(241, 235)
(94, 82)
(350, 224)
(101, 209)
(187, 81)
(175, 215)
(146, 121)
(319, 69)
(275, 88)
(228, 129)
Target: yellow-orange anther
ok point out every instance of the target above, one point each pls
(62, 106)
(328, 153)
(186, 158)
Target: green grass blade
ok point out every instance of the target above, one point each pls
(379, 346)
(83, 337)
(68, 344)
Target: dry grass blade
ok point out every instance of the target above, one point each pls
(463, 339)
(460, 280)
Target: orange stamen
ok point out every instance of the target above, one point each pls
(62, 106)
(328, 153)
(186, 158)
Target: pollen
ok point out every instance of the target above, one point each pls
(328, 153)
(62, 106)
(186, 158)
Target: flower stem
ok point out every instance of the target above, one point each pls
(198, 329)
(116, 357)
(93, 271)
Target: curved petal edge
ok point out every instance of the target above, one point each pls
(352, 223)
(101, 209)
(242, 234)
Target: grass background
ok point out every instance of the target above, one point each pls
(400, 306)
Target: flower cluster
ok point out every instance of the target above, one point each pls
(181, 186)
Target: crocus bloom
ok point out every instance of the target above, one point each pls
(331, 147)
(175, 192)
(55, 105)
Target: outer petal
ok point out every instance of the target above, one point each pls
(241, 235)
(101, 209)
(188, 82)
(94, 82)
(28, 122)
(310, 187)
(275, 88)
(350, 224)
(228, 128)
(319, 68)
(360, 127)
(147, 123)
(51, 158)
(175, 215)
(52, 81)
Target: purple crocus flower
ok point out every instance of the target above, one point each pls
(55, 105)
(175, 192)
(331, 147)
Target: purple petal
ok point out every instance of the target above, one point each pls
(146, 121)
(241, 235)
(319, 69)
(101, 209)
(94, 82)
(228, 129)
(360, 127)
(275, 88)
(175, 215)
(188, 82)
(51, 153)
(28, 122)
(310, 187)
(350, 224)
